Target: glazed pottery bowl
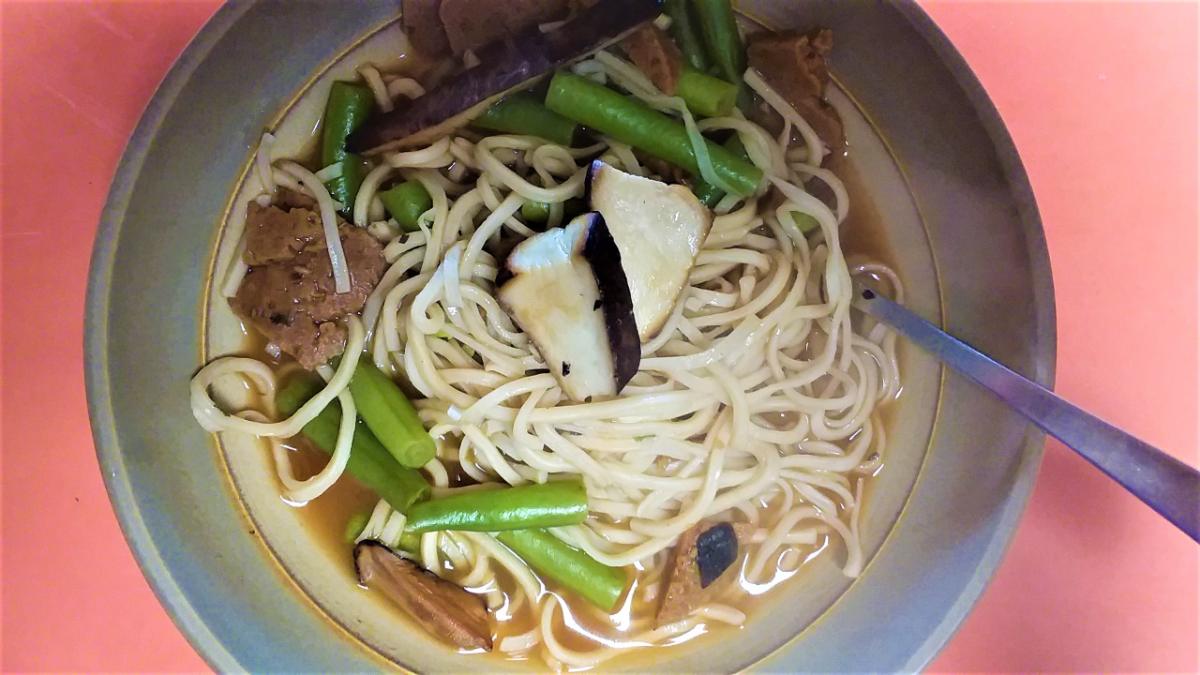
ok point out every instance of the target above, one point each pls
(246, 582)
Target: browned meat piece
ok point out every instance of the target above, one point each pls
(702, 554)
(423, 25)
(793, 63)
(274, 234)
(471, 24)
(655, 54)
(290, 199)
(288, 293)
(440, 607)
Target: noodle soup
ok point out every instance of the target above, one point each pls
(759, 402)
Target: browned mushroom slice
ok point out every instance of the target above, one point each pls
(701, 556)
(440, 607)
(658, 229)
(566, 289)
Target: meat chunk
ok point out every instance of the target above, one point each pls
(286, 198)
(277, 233)
(655, 54)
(288, 293)
(702, 555)
(440, 607)
(471, 24)
(794, 64)
(423, 26)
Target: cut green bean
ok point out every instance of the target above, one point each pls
(631, 121)
(562, 502)
(354, 527)
(348, 106)
(572, 568)
(524, 114)
(686, 31)
(804, 222)
(410, 543)
(535, 212)
(722, 40)
(388, 414)
(710, 195)
(369, 461)
(406, 202)
(344, 188)
(706, 95)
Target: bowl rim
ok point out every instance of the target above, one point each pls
(96, 343)
(1044, 360)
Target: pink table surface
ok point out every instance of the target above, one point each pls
(1101, 98)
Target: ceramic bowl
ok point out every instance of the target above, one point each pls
(246, 582)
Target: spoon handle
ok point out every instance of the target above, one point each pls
(1164, 483)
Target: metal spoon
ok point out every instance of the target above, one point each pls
(1164, 483)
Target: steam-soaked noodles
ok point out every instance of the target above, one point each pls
(756, 403)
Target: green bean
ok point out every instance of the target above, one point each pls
(524, 114)
(631, 121)
(804, 222)
(535, 212)
(574, 569)
(562, 502)
(706, 95)
(344, 188)
(406, 202)
(347, 107)
(354, 527)
(686, 33)
(389, 415)
(710, 195)
(369, 461)
(721, 38)
(410, 543)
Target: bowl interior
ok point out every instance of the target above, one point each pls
(252, 587)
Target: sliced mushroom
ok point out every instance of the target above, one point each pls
(701, 556)
(443, 609)
(658, 229)
(566, 289)
(504, 66)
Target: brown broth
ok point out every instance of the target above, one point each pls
(327, 516)
(862, 234)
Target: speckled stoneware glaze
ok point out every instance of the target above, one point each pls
(245, 581)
